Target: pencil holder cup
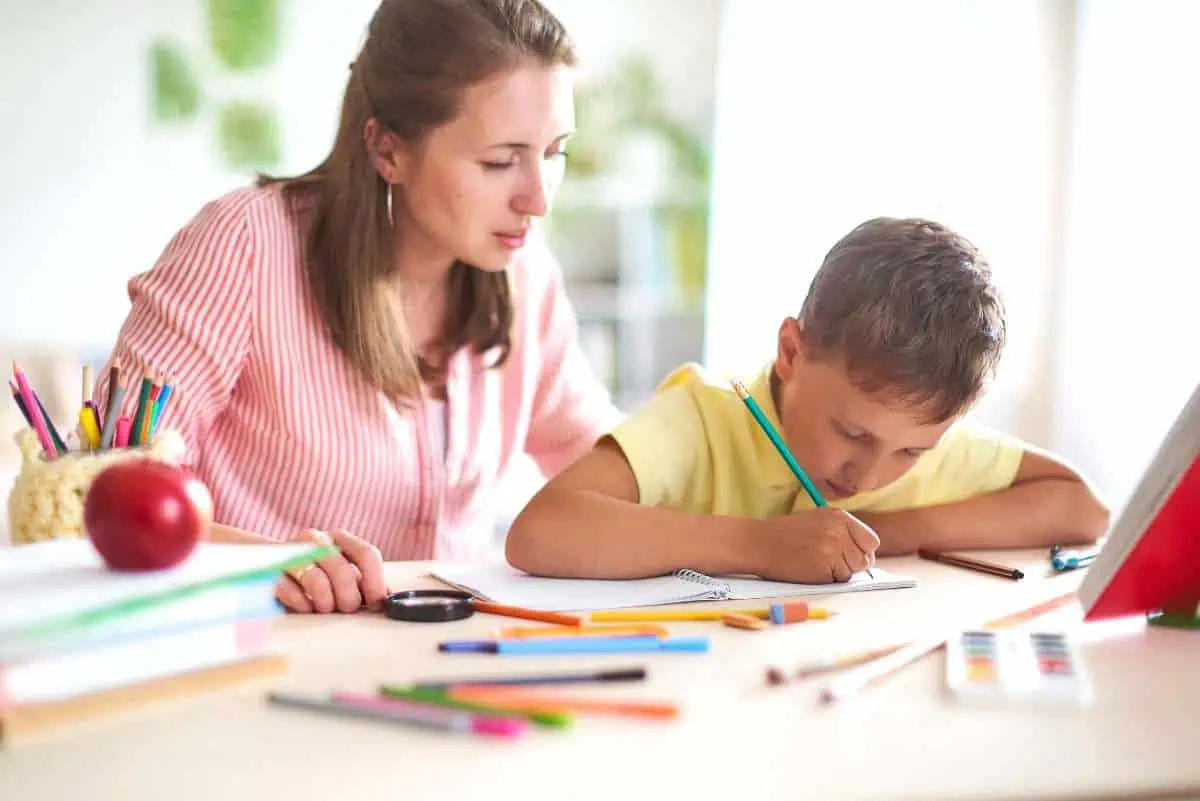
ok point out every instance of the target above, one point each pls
(46, 500)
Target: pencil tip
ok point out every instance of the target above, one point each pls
(775, 676)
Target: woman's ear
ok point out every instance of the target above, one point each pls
(790, 348)
(387, 152)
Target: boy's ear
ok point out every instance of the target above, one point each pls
(791, 348)
(388, 153)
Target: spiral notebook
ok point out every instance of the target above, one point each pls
(503, 584)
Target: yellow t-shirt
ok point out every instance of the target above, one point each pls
(695, 447)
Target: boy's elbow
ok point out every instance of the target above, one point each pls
(517, 544)
(522, 548)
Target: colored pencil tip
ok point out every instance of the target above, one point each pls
(775, 677)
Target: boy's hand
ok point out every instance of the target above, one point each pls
(815, 547)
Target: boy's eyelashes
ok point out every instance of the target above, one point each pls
(867, 438)
(853, 436)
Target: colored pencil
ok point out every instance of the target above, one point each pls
(459, 720)
(527, 614)
(123, 429)
(879, 669)
(142, 409)
(530, 632)
(829, 664)
(403, 714)
(59, 445)
(756, 411)
(151, 402)
(534, 701)
(621, 674)
(161, 404)
(49, 446)
(668, 615)
(553, 720)
(778, 442)
(116, 397)
(16, 393)
(969, 563)
(85, 393)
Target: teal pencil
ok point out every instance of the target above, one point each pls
(143, 409)
(780, 446)
(778, 442)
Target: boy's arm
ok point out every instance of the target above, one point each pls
(586, 522)
(1047, 503)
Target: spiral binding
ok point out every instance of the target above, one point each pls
(719, 589)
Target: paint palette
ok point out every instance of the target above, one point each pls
(1033, 665)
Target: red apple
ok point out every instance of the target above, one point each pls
(144, 514)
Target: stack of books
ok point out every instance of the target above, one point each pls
(79, 641)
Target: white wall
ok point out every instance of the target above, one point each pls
(1128, 355)
(92, 190)
(832, 113)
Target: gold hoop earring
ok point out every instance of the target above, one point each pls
(391, 224)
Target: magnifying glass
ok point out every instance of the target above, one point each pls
(428, 606)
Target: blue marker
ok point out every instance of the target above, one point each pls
(577, 645)
(1071, 560)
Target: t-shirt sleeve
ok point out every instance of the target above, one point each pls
(664, 443)
(970, 461)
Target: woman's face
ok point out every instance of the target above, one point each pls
(476, 184)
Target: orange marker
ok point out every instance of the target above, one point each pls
(527, 614)
(531, 632)
(551, 702)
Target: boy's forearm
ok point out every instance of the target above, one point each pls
(1052, 511)
(586, 534)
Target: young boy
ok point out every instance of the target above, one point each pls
(899, 333)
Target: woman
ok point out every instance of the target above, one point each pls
(369, 345)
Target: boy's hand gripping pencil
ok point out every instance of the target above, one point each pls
(780, 446)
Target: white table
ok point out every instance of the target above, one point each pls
(736, 739)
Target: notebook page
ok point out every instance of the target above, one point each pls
(503, 584)
(750, 588)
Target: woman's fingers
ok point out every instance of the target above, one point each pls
(331, 584)
(369, 563)
(291, 596)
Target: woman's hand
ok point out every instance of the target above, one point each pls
(344, 582)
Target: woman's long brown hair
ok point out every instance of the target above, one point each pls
(418, 59)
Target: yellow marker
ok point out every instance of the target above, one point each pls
(87, 424)
(638, 615)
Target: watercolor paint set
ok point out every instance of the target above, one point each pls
(1016, 665)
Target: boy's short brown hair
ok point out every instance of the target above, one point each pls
(908, 306)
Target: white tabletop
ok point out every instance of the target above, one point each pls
(737, 738)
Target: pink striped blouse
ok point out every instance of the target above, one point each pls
(288, 435)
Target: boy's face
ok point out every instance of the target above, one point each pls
(848, 441)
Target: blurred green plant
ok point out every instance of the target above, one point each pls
(631, 99)
(248, 134)
(176, 92)
(244, 33)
